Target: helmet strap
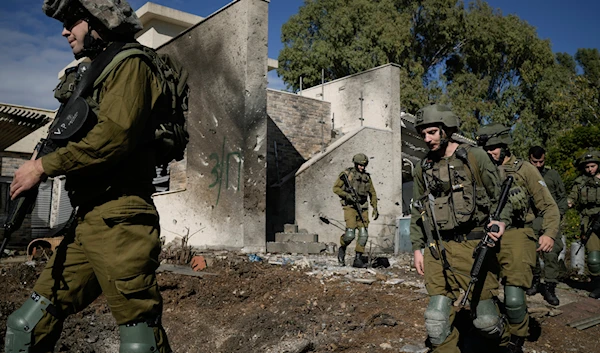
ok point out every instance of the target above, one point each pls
(91, 46)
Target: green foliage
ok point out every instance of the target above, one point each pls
(570, 226)
(488, 66)
(562, 154)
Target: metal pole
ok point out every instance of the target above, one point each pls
(361, 108)
(322, 84)
(300, 85)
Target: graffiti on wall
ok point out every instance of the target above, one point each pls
(230, 165)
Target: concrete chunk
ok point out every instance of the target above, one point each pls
(299, 237)
(290, 228)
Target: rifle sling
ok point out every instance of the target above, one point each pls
(73, 114)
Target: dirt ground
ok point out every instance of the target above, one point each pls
(243, 306)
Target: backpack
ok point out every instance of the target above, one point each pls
(171, 135)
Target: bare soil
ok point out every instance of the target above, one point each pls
(242, 306)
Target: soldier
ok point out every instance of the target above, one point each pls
(352, 197)
(585, 197)
(456, 188)
(537, 157)
(517, 250)
(114, 244)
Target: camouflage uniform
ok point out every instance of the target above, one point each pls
(114, 245)
(464, 190)
(517, 248)
(552, 266)
(362, 183)
(585, 197)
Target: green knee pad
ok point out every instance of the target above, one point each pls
(487, 321)
(437, 319)
(363, 235)
(514, 300)
(20, 324)
(137, 338)
(594, 262)
(347, 237)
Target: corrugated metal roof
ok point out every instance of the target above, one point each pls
(16, 122)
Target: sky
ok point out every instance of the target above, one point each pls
(32, 52)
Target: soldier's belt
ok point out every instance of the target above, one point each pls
(474, 235)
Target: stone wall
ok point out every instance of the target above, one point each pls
(305, 122)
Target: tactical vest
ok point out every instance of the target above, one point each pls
(460, 199)
(361, 182)
(519, 195)
(589, 195)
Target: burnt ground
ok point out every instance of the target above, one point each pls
(242, 306)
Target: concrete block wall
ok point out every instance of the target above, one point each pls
(306, 122)
(223, 205)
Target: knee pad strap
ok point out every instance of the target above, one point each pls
(594, 262)
(437, 319)
(487, 321)
(20, 324)
(514, 300)
(363, 235)
(137, 338)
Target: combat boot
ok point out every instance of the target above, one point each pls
(342, 255)
(534, 289)
(595, 293)
(516, 344)
(358, 262)
(548, 290)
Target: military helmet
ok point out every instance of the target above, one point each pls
(436, 114)
(493, 134)
(115, 15)
(360, 159)
(589, 156)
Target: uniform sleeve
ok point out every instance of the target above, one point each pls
(542, 199)
(372, 193)
(417, 236)
(574, 194)
(338, 187)
(128, 95)
(490, 177)
(559, 192)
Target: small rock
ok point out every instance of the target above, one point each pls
(385, 346)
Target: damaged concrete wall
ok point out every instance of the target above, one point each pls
(224, 203)
(315, 179)
(380, 98)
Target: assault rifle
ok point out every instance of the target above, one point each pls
(23, 204)
(593, 227)
(356, 199)
(480, 252)
(72, 120)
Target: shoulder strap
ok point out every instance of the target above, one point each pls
(475, 165)
(117, 59)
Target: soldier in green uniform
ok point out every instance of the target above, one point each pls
(585, 197)
(537, 157)
(456, 188)
(114, 244)
(517, 251)
(362, 184)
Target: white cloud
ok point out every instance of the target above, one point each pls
(275, 82)
(32, 52)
